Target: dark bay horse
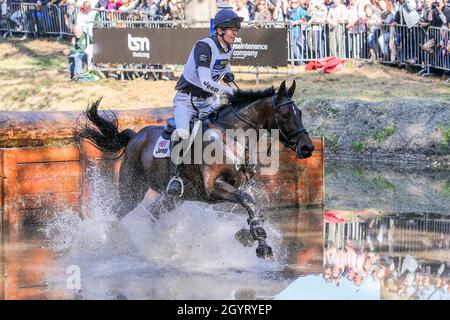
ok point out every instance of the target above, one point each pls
(260, 110)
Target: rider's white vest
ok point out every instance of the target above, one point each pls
(219, 62)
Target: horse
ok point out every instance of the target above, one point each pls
(267, 109)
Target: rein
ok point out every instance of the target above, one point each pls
(288, 139)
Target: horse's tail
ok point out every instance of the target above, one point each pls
(102, 131)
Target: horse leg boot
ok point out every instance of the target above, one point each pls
(257, 231)
(175, 187)
(226, 191)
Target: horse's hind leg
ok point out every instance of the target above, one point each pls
(133, 185)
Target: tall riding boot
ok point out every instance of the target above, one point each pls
(175, 186)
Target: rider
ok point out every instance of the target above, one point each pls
(208, 62)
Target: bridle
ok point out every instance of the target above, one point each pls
(287, 139)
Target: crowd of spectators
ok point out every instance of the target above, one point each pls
(342, 28)
(356, 14)
(400, 275)
(151, 9)
(40, 16)
(347, 21)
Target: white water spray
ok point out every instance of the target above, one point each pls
(192, 240)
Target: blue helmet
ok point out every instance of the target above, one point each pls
(227, 18)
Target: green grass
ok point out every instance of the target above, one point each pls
(383, 184)
(49, 62)
(358, 146)
(445, 190)
(330, 111)
(383, 134)
(445, 135)
(358, 172)
(330, 141)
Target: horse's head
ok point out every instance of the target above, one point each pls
(287, 118)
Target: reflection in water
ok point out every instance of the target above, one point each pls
(378, 253)
(407, 257)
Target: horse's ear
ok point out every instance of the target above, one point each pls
(291, 90)
(281, 91)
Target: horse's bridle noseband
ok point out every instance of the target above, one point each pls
(289, 140)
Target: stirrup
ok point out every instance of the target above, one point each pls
(178, 179)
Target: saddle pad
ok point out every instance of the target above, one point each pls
(162, 148)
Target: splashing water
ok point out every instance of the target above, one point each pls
(192, 241)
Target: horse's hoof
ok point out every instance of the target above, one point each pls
(245, 237)
(264, 252)
(258, 232)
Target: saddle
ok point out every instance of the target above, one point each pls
(162, 146)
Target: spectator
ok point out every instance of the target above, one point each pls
(406, 14)
(177, 10)
(280, 8)
(41, 18)
(241, 10)
(262, 13)
(425, 20)
(447, 13)
(297, 15)
(3, 8)
(251, 8)
(165, 9)
(318, 16)
(327, 273)
(438, 16)
(433, 15)
(69, 13)
(127, 7)
(337, 17)
(77, 54)
(386, 19)
(150, 10)
(102, 5)
(356, 27)
(444, 44)
(111, 5)
(372, 21)
(17, 18)
(87, 17)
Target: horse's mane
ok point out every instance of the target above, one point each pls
(242, 98)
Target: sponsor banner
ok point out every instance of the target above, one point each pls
(146, 46)
(253, 47)
(261, 47)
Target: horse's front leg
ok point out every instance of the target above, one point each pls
(224, 190)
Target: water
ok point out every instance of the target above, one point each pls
(384, 234)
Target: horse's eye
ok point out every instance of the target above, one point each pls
(286, 115)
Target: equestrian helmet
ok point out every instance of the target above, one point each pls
(227, 18)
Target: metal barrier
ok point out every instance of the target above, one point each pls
(390, 44)
(398, 234)
(29, 18)
(111, 22)
(440, 57)
(68, 16)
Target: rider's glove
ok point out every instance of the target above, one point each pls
(228, 77)
(203, 115)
